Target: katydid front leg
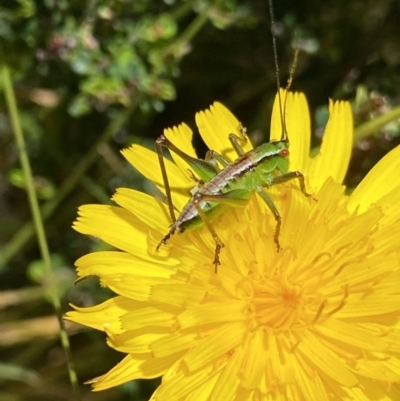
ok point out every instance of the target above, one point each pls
(212, 156)
(236, 139)
(292, 175)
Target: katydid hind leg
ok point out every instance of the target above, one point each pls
(233, 198)
(203, 169)
(236, 140)
(163, 142)
(213, 156)
(166, 238)
(235, 143)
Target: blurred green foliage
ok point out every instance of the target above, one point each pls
(92, 77)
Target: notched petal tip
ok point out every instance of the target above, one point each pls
(181, 136)
(337, 142)
(293, 108)
(215, 125)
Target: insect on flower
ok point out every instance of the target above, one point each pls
(232, 185)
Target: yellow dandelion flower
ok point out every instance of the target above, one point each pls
(317, 321)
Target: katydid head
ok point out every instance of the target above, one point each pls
(282, 161)
(272, 157)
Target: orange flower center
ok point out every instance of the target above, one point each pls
(278, 305)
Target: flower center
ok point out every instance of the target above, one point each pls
(278, 304)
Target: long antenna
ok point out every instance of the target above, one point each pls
(293, 67)
(278, 85)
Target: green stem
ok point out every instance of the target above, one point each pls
(182, 10)
(376, 124)
(37, 219)
(194, 27)
(25, 233)
(191, 30)
(369, 128)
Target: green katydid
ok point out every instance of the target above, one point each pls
(231, 186)
(234, 184)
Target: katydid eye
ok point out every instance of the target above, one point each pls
(284, 152)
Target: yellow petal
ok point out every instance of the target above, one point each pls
(334, 155)
(380, 181)
(297, 124)
(126, 370)
(149, 316)
(223, 340)
(181, 137)
(215, 125)
(280, 364)
(178, 385)
(149, 210)
(311, 387)
(253, 364)
(105, 316)
(156, 367)
(213, 312)
(389, 205)
(370, 390)
(172, 343)
(146, 162)
(360, 305)
(373, 269)
(136, 342)
(326, 361)
(349, 333)
(178, 294)
(109, 262)
(384, 371)
(132, 286)
(228, 382)
(132, 367)
(118, 227)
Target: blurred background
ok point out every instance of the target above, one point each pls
(92, 77)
